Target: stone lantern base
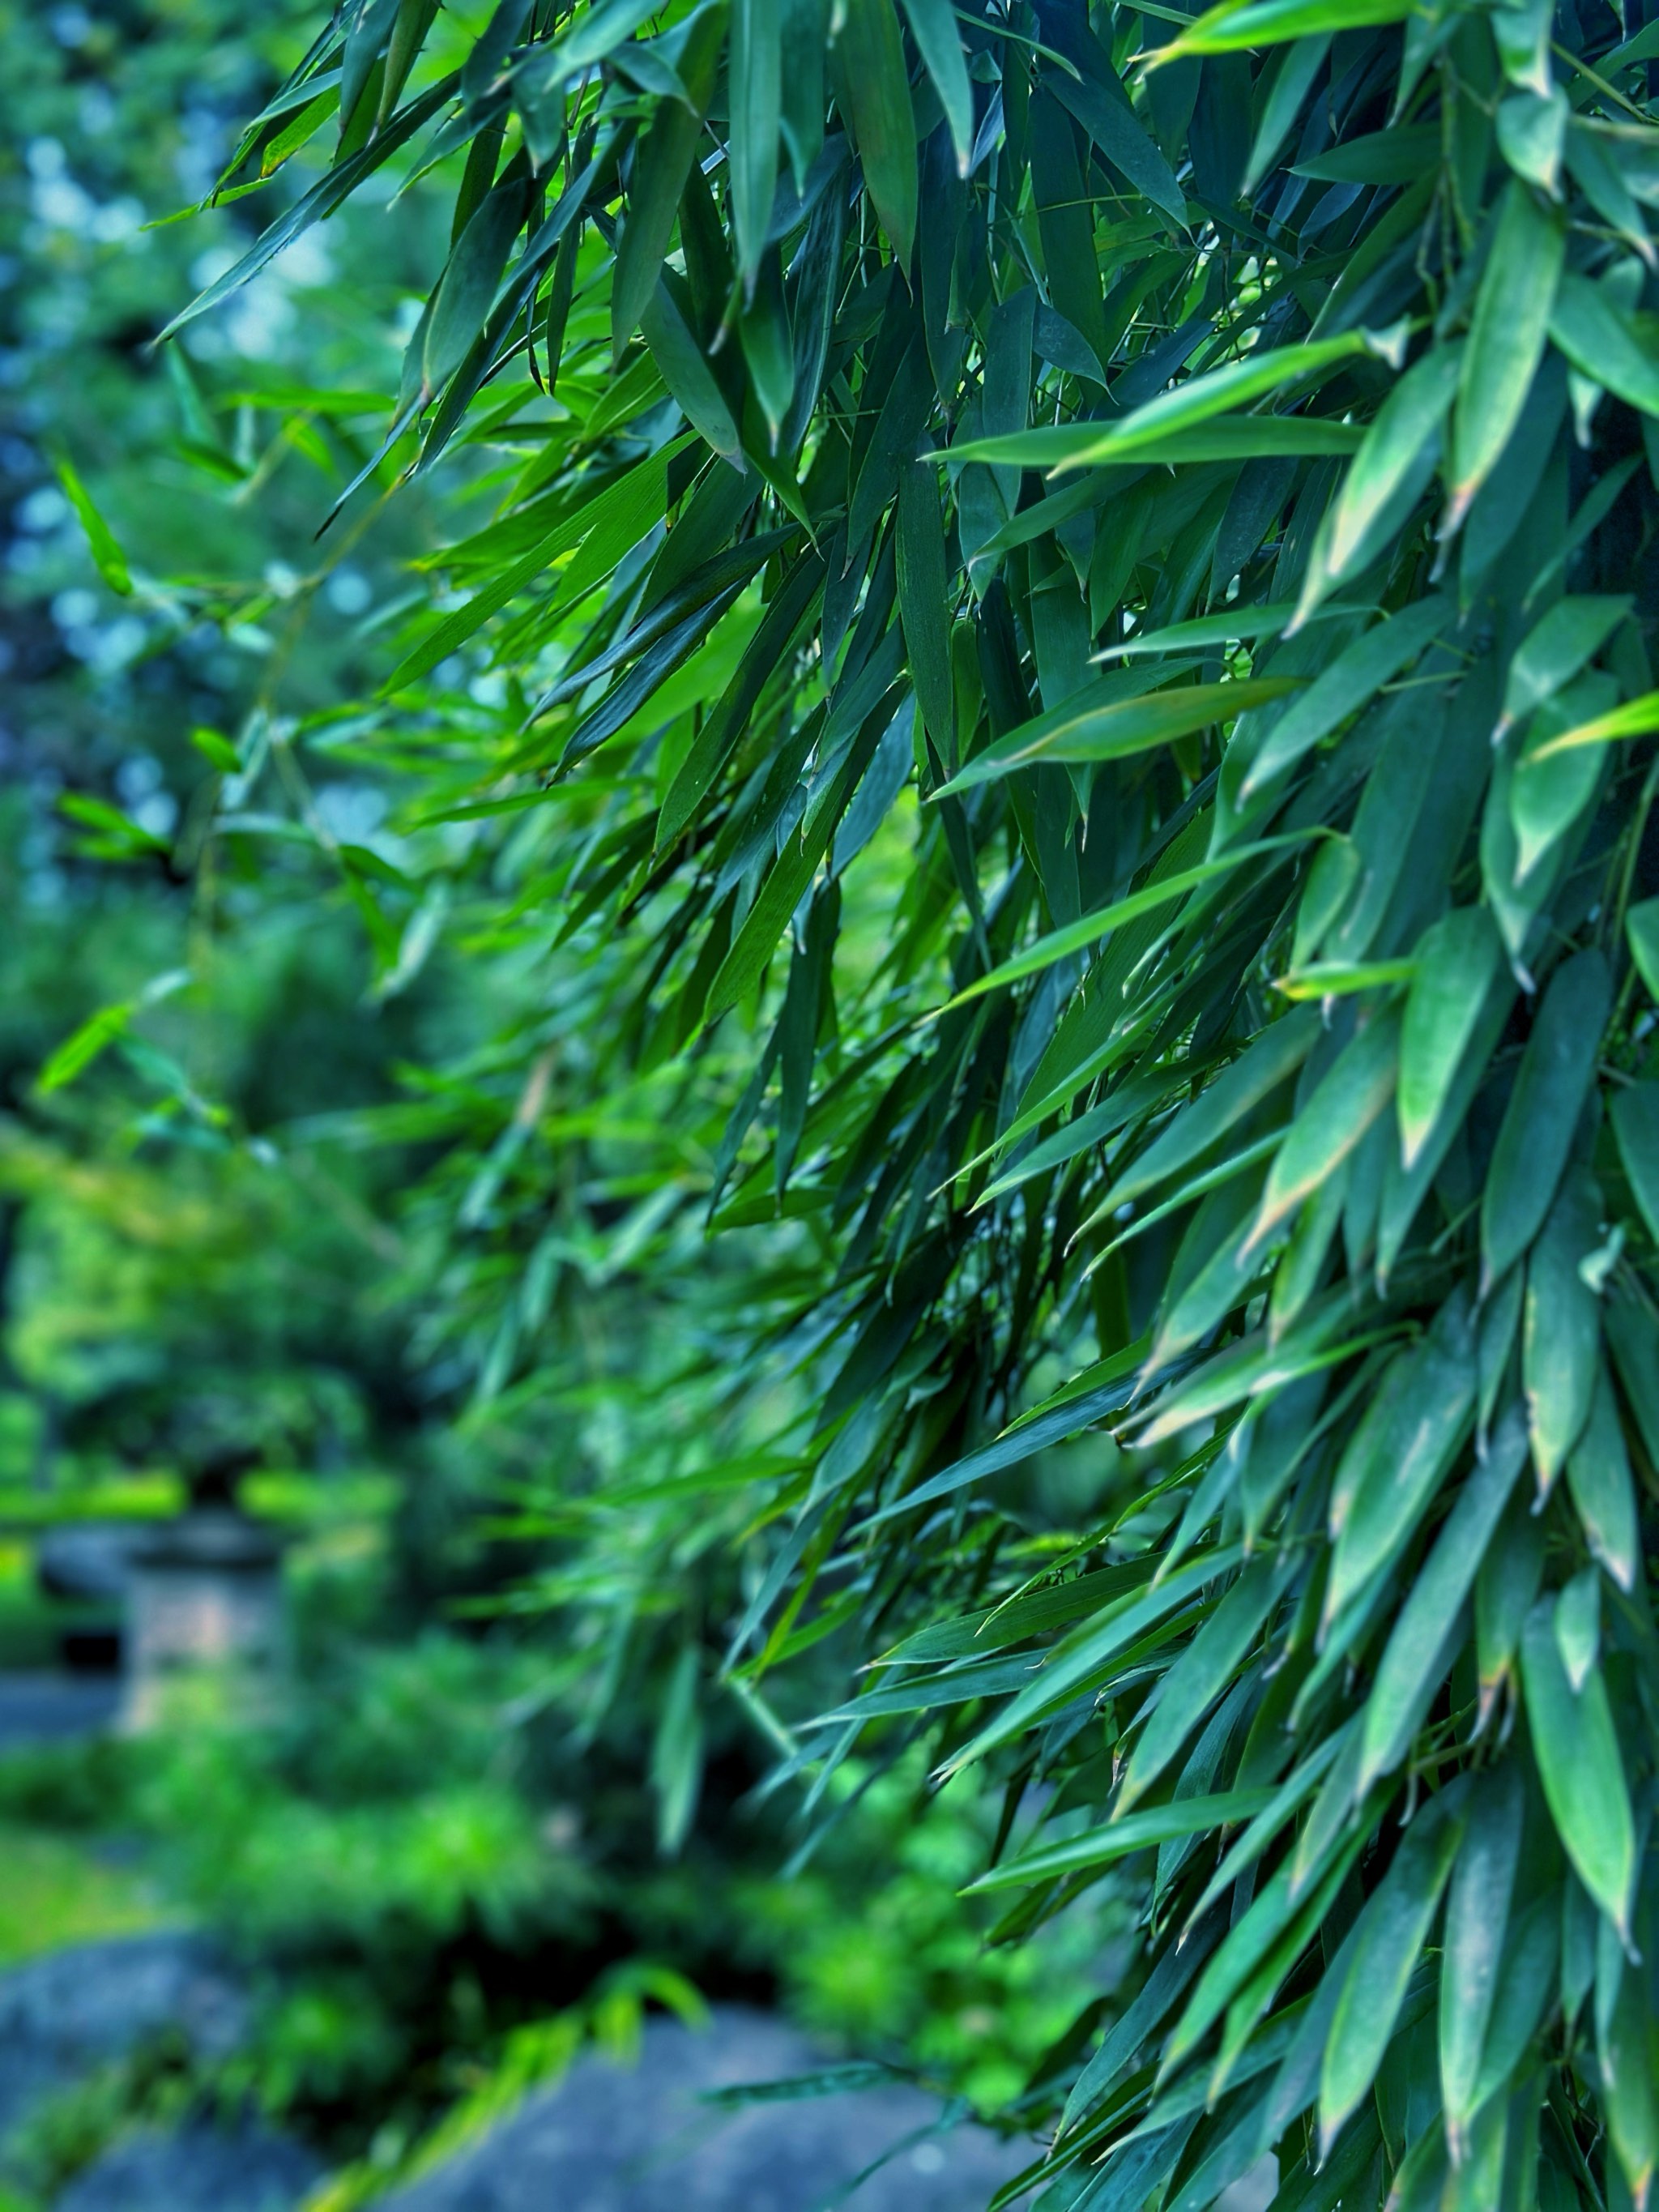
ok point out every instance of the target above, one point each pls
(205, 1593)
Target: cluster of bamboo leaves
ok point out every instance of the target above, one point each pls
(1075, 595)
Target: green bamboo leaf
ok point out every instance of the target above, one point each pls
(1217, 438)
(1579, 1764)
(1272, 1060)
(1507, 336)
(1638, 717)
(1226, 29)
(1628, 2049)
(594, 39)
(111, 561)
(792, 874)
(1429, 1630)
(1394, 156)
(660, 163)
(1591, 329)
(1117, 131)
(1352, 1095)
(1079, 936)
(870, 49)
(1275, 1908)
(1536, 1132)
(1086, 728)
(1520, 32)
(1127, 1833)
(1551, 655)
(1525, 1983)
(668, 330)
(1578, 1626)
(1459, 965)
(1141, 435)
(1603, 1490)
(924, 600)
(1205, 1668)
(1294, 80)
(769, 353)
(1392, 1932)
(1233, 625)
(365, 38)
(1505, 1590)
(1532, 136)
(1353, 679)
(933, 27)
(328, 192)
(755, 75)
(1477, 1923)
(1089, 1652)
(1642, 931)
(1635, 1115)
(1390, 1488)
(1561, 1331)
(605, 527)
(1386, 476)
(1633, 1339)
(1550, 789)
(466, 291)
(721, 731)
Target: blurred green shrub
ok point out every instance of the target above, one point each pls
(422, 1861)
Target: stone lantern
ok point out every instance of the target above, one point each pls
(204, 1592)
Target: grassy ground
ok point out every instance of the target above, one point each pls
(57, 1891)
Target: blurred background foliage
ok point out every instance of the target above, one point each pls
(332, 1190)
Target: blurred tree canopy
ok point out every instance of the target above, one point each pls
(1000, 743)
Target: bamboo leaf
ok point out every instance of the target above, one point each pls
(1580, 1766)
(1427, 1630)
(1536, 1132)
(1602, 1489)
(1551, 655)
(871, 53)
(1507, 336)
(1392, 1932)
(1561, 1331)
(1114, 729)
(933, 26)
(1459, 963)
(1354, 678)
(1477, 1923)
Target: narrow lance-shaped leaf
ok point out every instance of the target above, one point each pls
(660, 163)
(1080, 730)
(1430, 1625)
(1551, 785)
(1581, 1768)
(111, 561)
(924, 605)
(1386, 475)
(1393, 1930)
(1507, 336)
(1601, 341)
(1459, 963)
(1603, 1490)
(1477, 1920)
(1561, 1330)
(1355, 677)
(933, 26)
(1572, 632)
(1356, 1090)
(1537, 1129)
(1428, 1426)
(757, 92)
(871, 54)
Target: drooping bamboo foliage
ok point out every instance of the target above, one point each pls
(1186, 486)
